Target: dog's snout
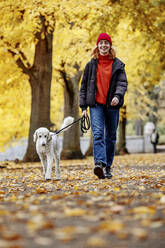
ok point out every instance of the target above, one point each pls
(43, 144)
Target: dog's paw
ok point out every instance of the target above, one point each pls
(58, 177)
(47, 178)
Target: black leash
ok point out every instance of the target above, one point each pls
(85, 124)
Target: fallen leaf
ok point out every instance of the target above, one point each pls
(74, 212)
(41, 190)
(11, 236)
(139, 233)
(96, 241)
(43, 241)
(111, 226)
(144, 210)
(162, 199)
(117, 209)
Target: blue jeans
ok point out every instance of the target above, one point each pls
(104, 123)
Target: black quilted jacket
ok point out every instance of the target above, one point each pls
(118, 84)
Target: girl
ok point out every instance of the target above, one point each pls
(103, 87)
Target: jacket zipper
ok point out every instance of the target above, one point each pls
(96, 80)
(109, 90)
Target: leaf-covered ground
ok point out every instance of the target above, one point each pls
(81, 211)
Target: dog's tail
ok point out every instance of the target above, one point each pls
(67, 122)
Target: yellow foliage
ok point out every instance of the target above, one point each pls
(14, 102)
(139, 39)
(143, 68)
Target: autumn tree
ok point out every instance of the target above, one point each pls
(71, 142)
(28, 28)
(138, 20)
(37, 24)
(38, 31)
(141, 24)
(40, 75)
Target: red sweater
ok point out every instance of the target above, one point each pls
(104, 73)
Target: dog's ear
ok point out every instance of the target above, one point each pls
(35, 136)
(49, 137)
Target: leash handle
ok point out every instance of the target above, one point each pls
(85, 123)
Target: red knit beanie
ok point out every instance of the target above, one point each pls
(104, 36)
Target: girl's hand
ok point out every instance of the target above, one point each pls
(84, 113)
(114, 101)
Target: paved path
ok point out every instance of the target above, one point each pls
(161, 148)
(81, 211)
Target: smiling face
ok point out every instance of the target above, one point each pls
(104, 47)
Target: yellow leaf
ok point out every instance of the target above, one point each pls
(76, 187)
(140, 233)
(55, 197)
(144, 210)
(96, 241)
(141, 187)
(74, 212)
(116, 189)
(111, 226)
(41, 191)
(3, 212)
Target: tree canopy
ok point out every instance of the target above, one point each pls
(137, 32)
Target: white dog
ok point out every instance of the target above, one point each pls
(48, 148)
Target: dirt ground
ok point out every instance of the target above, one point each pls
(81, 211)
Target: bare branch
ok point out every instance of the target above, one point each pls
(19, 62)
(21, 65)
(66, 81)
(25, 58)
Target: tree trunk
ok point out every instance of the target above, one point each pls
(71, 139)
(139, 127)
(40, 81)
(121, 145)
